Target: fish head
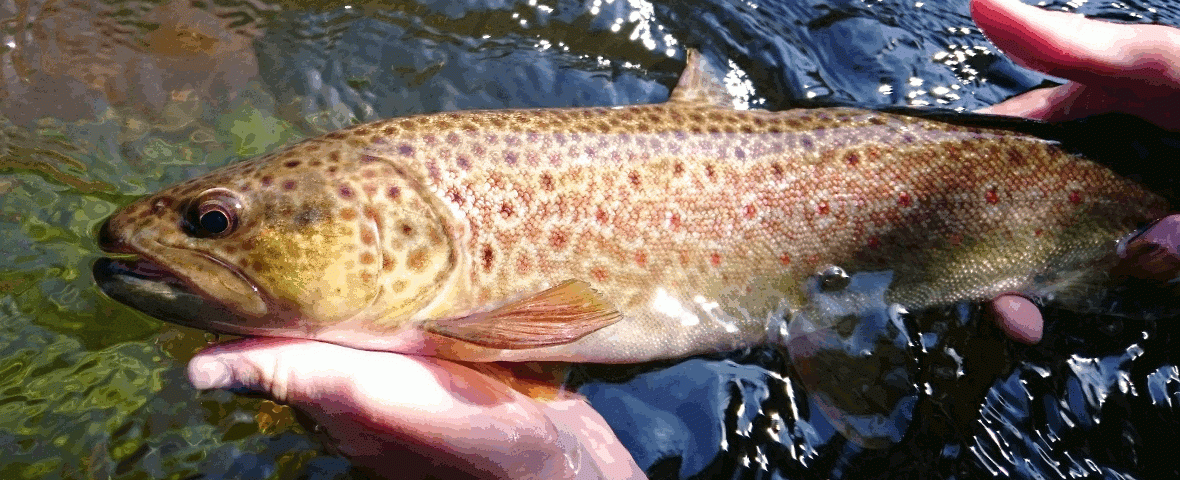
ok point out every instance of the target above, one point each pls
(280, 247)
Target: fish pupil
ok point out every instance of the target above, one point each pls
(214, 221)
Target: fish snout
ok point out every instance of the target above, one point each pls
(109, 241)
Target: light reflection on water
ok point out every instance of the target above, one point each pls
(103, 102)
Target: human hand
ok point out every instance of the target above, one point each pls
(400, 416)
(1111, 67)
(1133, 69)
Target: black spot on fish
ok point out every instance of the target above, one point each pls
(307, 216)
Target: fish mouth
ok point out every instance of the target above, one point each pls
(149, 288)
(193, 289)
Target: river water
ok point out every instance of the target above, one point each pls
(103, 102)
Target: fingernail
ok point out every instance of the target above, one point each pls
(206, 373)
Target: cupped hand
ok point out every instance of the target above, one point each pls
(399, 416)
(1111, 67)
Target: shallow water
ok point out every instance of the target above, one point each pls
(102, 103)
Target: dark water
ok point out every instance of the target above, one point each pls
(101, 103)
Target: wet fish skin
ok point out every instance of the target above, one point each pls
(698, 223)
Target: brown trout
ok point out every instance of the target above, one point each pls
(612, 235)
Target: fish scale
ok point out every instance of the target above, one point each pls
(685, 227)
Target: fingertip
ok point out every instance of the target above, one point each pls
(1019, 318)
(207, 372)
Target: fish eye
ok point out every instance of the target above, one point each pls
(215, 221)
(215, 214)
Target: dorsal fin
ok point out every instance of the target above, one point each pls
(701, 84)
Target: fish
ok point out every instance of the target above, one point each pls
(614, 234)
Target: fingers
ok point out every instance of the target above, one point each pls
(1019, 318)
(437, 417)
(1153, 254)
(1064, 102)
(1071, 46)
(304, 372)
(1128, 68)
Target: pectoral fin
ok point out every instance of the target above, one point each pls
(556, 316)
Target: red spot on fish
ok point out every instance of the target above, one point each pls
(823, 208)
(751, 211)
(455, 196)
(634, 178)
(784, 259)
(641, 259)
(558, 239)
(709, 171)
(547, 182)
(599, 274)
(486, 257)
(1038, 232)
(777, 169)
(674, 221)
(394, 193)
(678, 168)
(346, 191)
(600, 215)
(1075, 197)
(992, 197)
(852, 158)
(904, 199)
(506, 209)
(874, 242)
(715, 259)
